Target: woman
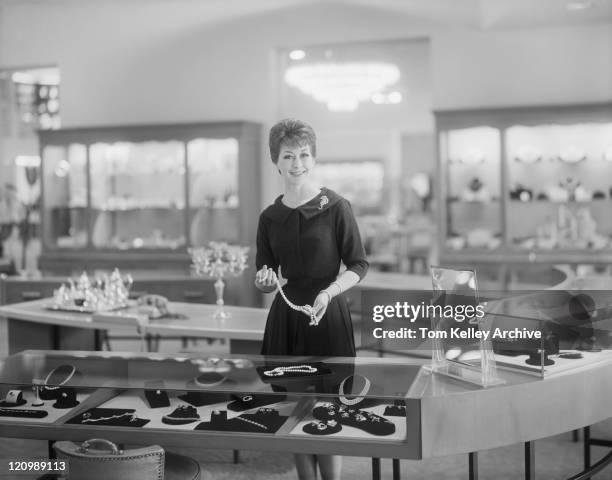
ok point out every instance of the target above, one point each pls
(307, 232)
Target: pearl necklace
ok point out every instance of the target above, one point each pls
(252, 422)
(306, 309)
(280, 371)
(360, 396)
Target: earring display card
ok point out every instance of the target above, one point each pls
(347, 431)
(53, 414)
(135, 400)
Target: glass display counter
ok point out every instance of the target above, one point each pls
(341, 398)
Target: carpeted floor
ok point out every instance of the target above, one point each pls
(557, 458)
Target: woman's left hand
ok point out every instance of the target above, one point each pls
(320, 305)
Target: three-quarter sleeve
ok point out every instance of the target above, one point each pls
(350, 247)
(264, 254)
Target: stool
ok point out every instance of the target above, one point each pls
(99, 459)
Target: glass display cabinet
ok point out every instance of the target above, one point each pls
(525, 185)
(232, 402)
(139, 196)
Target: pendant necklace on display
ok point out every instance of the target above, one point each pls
(360, 396)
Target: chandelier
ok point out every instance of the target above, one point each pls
(342, 86)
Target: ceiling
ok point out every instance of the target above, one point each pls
(477, 14)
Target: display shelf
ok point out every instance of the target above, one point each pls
(530, 179)
(102, 204)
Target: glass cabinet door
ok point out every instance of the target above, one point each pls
(471, 160)
(213, 191)
(137, 195)
(560, 186)
(65, 215)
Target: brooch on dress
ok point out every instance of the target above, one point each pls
(324, 201)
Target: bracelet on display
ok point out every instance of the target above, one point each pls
(57, 385)
(211, 379)
(14, 398)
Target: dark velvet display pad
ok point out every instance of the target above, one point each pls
(66, 398)
(199, 399)
(351, 417)
(121, 417)
(271, 422)
(254, 400)
(395, 411)
(23, 413)
(322, 428)
(157, 398)
(322, 369)
(48, 393)
(181, 415)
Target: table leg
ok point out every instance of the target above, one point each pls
(587, 447)
(375, 468)
(51, 450)
(236, 456)
(397, 474)
(529, 461)
(56, 338)
(473, 465)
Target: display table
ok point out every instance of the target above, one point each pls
(441, 416)
(244, 328)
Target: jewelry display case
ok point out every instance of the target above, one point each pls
(276, 397)
(139, 196)
(525, 185)
(369, 407)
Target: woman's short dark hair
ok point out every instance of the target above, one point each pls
(291, 132)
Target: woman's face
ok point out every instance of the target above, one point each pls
(295, 163)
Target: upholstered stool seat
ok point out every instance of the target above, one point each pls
(99, 459)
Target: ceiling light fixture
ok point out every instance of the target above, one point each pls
(342, 86)
(576, 5)
(297, 54)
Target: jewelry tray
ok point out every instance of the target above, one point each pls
(77, 309)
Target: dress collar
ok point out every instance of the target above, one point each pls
(279, 212)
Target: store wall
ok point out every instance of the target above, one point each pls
(522, 67)
(127, 63)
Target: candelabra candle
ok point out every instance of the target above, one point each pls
(219, 260)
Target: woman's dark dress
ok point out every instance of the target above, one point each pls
(308, 242)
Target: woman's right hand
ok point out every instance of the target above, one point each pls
(265, 279)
